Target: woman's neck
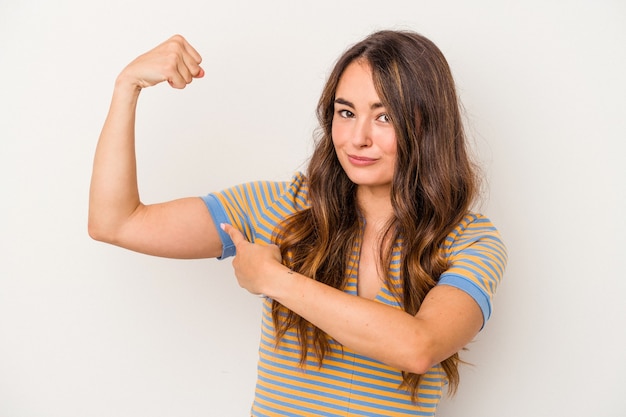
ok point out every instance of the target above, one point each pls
(375, 205)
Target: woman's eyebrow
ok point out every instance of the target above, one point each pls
(339, 100)
(345, 102)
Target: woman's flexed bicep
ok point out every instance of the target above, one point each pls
(180, 228)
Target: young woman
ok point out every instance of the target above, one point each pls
(375, 271)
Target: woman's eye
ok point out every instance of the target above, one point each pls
(384, 118)
(346, 114)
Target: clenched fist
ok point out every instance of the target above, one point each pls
(174, 61)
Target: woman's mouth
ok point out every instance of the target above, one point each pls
(361, 160)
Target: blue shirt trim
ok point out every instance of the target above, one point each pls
(219, 216)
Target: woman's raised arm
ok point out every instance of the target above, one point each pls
(178, 229)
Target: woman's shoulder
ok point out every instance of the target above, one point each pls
(294, 190)
(473, 221)
(292, 193)
(472, 228)
(298, 184)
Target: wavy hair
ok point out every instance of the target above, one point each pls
(433, 186)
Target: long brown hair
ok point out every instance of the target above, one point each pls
(433, 187)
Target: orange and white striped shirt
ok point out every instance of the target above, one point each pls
(348, 384)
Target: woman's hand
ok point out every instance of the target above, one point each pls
(174, 61)
(257, 267)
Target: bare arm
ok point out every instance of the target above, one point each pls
(448, 318)
(179, 229)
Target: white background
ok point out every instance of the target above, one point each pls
(88, 329)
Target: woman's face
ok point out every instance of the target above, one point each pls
(363, 136)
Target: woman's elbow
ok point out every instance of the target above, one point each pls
(419, 364)
(98, 229)
(421, 355)
(95, 232)
(105, 224)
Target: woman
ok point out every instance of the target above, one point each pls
(374, 270)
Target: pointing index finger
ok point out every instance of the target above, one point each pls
(235, 235)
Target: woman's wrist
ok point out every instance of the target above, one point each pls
(125, 93)
(126, 85)
(284, 283)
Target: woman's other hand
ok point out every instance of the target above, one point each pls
(256, 266)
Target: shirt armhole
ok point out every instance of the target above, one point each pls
(219, 216)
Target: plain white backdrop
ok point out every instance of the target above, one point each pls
(88, 329)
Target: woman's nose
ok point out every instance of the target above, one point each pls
(362, 134)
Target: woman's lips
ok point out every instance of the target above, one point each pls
(361, 160)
